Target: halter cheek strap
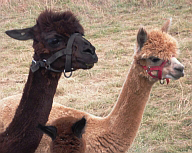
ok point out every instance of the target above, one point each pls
(149, 70)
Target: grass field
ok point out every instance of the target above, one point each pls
(111, 26)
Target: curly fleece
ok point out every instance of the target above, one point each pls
(159, 44)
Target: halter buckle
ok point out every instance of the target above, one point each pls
(148, 69)
(46, 65)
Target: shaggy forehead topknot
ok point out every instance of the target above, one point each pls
(159, 44)
(61, 22)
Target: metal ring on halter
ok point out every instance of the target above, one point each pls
(161, 81)
(68, 75)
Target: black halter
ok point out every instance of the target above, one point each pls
(46, 63)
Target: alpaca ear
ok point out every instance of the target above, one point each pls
(78, 128)
(49, 130)
(21, 34)
(141, 37)
(167, 25)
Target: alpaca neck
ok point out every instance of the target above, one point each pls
(22, 134)
(127, 113)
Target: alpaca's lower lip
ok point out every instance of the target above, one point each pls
(86, 65)
(89, 65)
(171, 76)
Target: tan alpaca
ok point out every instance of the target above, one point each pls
(116, 132)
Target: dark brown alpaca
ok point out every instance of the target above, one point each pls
(66, 134)
(50, 38)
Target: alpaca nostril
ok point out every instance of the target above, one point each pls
(180, 69)
(91, 51)
(87, 51)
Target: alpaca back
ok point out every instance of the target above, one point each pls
(8, 107)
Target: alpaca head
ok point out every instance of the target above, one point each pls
(66, 134)
(156, 54)
(52, 33)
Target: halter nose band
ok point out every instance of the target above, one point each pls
(156, 68)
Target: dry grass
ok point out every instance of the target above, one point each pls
(111, 26)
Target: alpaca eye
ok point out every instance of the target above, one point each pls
(53, 42)
(155, 59)
(62, 138)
